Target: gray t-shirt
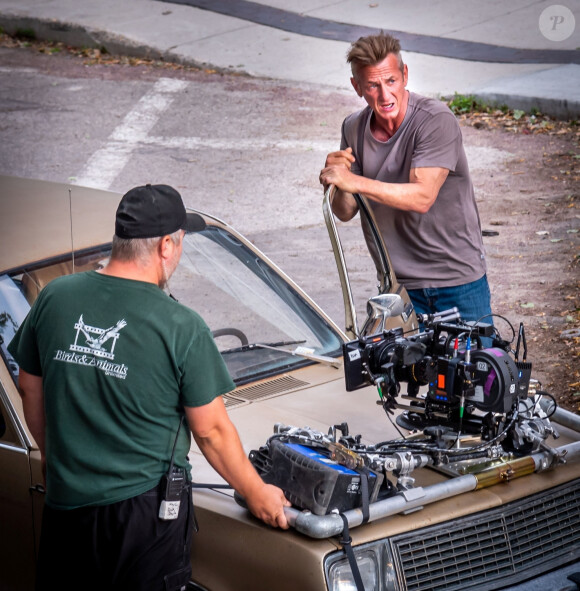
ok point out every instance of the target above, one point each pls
(443, 247)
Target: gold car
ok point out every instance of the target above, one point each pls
(445, 490)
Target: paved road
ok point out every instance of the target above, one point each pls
(246, 150)
(523, 53)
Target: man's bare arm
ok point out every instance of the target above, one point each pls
(219, 442)
(418, 194)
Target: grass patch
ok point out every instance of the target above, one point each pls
(25, 34)
(461, 104)
(481, 115)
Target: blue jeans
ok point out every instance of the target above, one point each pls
(472, 299)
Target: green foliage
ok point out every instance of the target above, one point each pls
(461, 103)
(25, 34)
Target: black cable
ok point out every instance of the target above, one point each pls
(171, 463)
(412, 445)
(395, 425)
(496, 438)
(544, 393)
(426, 446)
(385, 408)
(495, 330)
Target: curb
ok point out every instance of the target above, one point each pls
(79, 36)
(558, 108)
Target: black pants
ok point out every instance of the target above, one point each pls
(120, 546)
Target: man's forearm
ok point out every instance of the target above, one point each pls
(344, 205)
(219, 442)
(223, 450)
(418, 194)
(403, 196)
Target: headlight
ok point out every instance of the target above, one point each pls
(375, 564)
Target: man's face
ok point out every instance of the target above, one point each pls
(383, 88)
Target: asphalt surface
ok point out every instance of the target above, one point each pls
(522, 53)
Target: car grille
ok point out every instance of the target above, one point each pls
(515, 541)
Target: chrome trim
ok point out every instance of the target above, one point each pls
(25, 442)
(350, 321)
(12, 447)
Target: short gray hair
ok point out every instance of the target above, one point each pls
(138, 249)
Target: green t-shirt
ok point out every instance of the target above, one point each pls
(119, 361)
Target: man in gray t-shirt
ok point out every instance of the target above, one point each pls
(404, 152)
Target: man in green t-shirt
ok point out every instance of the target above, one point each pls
(110, 366)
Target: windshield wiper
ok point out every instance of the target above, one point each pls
(299, 351)
(251, 346)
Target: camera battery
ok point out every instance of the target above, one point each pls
(311, 480)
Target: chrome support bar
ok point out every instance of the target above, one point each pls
(325, 526)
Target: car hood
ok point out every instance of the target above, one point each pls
(316, 397)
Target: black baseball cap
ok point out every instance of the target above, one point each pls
(154, 210)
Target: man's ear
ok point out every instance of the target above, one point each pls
(165, 247)
(405, 75)
(356, 85)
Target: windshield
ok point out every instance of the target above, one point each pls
(243, 301)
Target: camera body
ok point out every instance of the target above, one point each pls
(390, 355)
(441, 358)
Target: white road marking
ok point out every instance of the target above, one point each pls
(105, 164)
(194, 143)
(7, 70)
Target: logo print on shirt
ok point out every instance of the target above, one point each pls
(96, 338)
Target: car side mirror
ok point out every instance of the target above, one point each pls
(379, 308)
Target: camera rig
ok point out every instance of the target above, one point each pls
(469, 404)
(450, 358)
